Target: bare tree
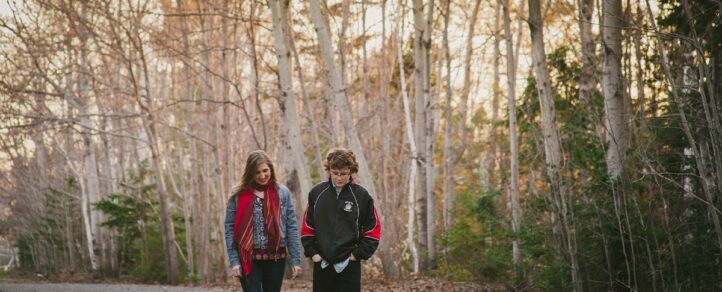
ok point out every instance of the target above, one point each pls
(587, 82)
(287, 99)
(513, 139)
(706, 181)
(411, 210)
(615, 108)
(553, 156)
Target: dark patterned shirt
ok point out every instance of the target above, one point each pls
(259, 230)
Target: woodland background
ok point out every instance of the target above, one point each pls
(551, 145)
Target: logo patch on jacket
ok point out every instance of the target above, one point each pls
(347, 208)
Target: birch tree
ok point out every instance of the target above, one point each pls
(411, 200)
(287, 99)
(421, 129)
(141, 88)
(587, 82)
(429, 133)
(490, 163)
(553, 156)
(513, 139)
(615, 108)
(448, 150)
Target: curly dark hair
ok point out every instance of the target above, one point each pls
(340, 158)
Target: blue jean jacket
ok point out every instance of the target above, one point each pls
(289, 228)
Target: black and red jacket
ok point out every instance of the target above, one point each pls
(335, 227)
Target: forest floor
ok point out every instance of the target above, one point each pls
(290, 286)
(419, 284)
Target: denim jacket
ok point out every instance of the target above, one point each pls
(289, 228)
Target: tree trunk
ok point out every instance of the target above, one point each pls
(639, 56)
(287, 99)
(149, 126)
(466, 89)
(188, 198)
(513, 139)
(615, 108)
(429, 132)
(587, 82)
(342, 49)
(448, 150)
(306, 101)
(496, 96)
(84, 207)
(92, 185)
(419, 127)
(552, 143)
(254, 80)
(410, 242)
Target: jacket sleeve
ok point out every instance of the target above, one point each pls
(370, 225)
(293, 244)
(308, 230)
(228, 227)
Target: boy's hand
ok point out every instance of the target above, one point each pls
(316, 258)
(353, 258)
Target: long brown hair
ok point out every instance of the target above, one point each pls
(254, 159)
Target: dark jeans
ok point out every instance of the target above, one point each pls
(266, 276)
(327, 280)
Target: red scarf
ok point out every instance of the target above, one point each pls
(243, 227)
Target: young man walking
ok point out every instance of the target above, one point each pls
(340, 226)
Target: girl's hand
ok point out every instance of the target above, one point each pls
(316, 258)
(295, 271)
(236, 271)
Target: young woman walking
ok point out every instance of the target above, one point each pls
(260, 228)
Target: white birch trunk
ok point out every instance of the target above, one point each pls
(148, 123)
(615, 120)
(488, 179)
(91, 167)
(92, 184)
(306, 101)
(513, 140)
(420, 124)
(83, 207)
(448, 150)
(588, 50)
(287, 100)
(410, 242)
(188, 197)
(429, 134)
(466, 89)
(552, 143)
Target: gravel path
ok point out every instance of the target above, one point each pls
(65, 287)
(417, 285)
(293, 286)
